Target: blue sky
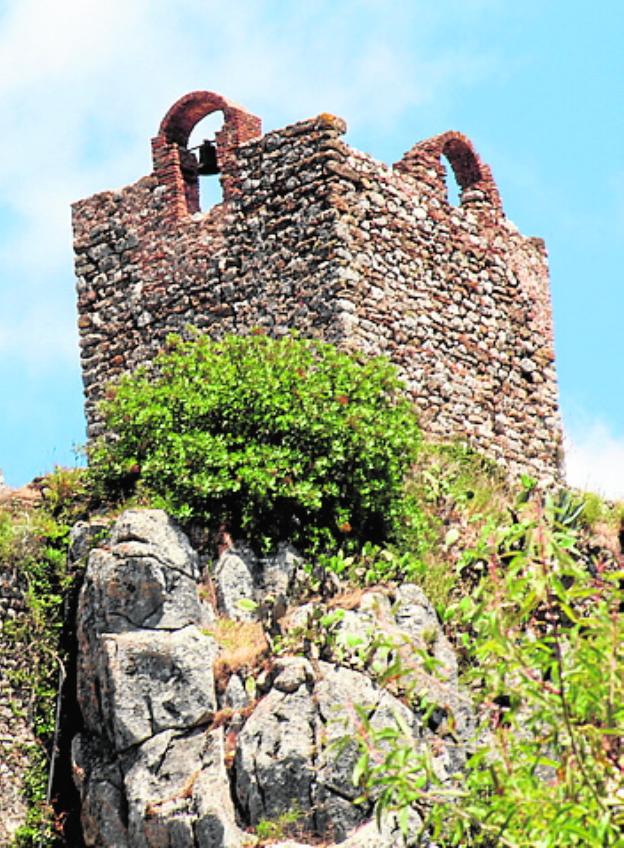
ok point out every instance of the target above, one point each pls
(536, 85)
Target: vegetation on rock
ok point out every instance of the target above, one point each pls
(542, 633)
(276, 440)
(34, 543)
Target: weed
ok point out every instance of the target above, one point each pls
(281, 827)
(33, 545)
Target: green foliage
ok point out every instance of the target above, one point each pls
(372, 565)
(451, 491)
(64, 493)
(276, 439)
(34, 541)
(596, 511)
(397, 775)
(544, 638)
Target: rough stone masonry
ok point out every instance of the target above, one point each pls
(315, 236)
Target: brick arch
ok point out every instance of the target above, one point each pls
(173, 165)
(189, 110)
(473, 176)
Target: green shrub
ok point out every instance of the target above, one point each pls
(275, 439)
(597, 512)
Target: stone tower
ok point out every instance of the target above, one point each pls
(317, 236)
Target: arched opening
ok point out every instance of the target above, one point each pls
(453, 189)
(471, 182)
(180, 162)
(202, 144)
(467, 171)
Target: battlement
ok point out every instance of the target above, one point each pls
(317, 236)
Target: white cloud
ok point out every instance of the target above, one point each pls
(595, 459)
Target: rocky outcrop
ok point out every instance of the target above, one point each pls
(239, 576)
(289, 754)
(182, 748)
(149, 769)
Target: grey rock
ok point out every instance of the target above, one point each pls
(288, 754)
(127, 592)
(234, 581)
(99, 781)
(160, 536)
(278, 571)
(178, 793)
(290, 844)
(275, 756)
(338, 692)
(151, 775)
(301, 616)
(415, 615)
(208, 614)
(235, 697)
(388, 835)
(131, 584)
(154, 681)
(291, 673)
(83, 536)
(300, 741)
(147, 774)
(371, 635)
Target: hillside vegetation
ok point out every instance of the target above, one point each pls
(267, 441)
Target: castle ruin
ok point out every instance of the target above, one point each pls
(315, 236)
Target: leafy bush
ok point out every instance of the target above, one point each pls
(545, 642)
(273, 438)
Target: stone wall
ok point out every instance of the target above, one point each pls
(316, 236)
